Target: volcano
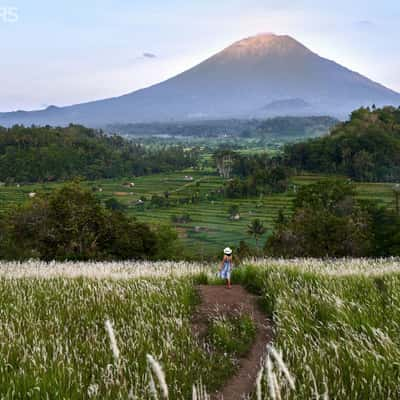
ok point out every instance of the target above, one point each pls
(261, 76)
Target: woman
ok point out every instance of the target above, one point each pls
(226, 267)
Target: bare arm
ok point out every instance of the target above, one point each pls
(222, 264)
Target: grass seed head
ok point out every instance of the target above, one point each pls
(159, 373)
(113, 342)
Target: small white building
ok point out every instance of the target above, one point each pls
(32, 195)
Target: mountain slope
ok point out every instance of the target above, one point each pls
(240, 81)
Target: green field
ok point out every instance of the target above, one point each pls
(210, 228)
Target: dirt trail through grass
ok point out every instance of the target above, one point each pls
(218, 300)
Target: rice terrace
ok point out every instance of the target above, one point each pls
(200, 200)
(209, 227)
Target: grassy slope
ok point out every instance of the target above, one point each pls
(214, 230)
(339, 332)
(337, 324)
(55, 345)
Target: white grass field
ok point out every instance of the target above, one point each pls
(123, 330)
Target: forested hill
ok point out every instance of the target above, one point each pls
(278, 127)
(49, 154)
(365, 148)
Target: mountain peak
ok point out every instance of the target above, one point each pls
(259, 76)
(265, 44)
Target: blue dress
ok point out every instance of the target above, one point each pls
(226, 270)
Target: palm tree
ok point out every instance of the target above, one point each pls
(256, 229)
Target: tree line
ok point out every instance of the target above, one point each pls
(365, 148)
(329, 221)
(39, 154)
(278, 127)
(72, 224)
(251, 175)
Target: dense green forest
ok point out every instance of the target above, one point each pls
(279, 127)
(329, 221)
(71, 224)
(252, 175)
(365, 148)
(34, 154)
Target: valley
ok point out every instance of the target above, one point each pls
(210, 227)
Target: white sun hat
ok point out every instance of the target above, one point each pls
(227, 251)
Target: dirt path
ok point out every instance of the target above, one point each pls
(218, 300)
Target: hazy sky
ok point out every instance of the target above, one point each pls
(65, 52)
